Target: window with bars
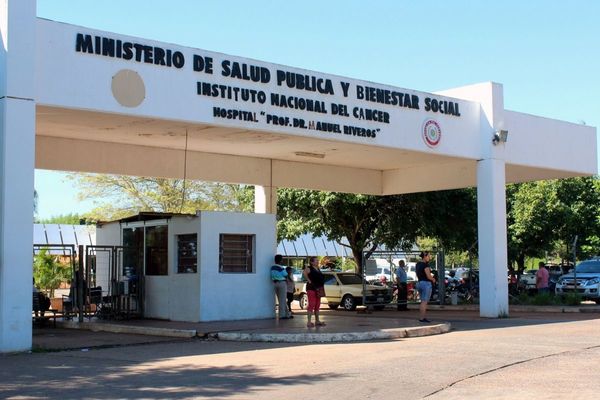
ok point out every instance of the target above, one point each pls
(236, 253)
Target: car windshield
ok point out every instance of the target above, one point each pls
(350, 279)
(589, 267)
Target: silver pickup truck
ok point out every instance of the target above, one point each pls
(587, 286)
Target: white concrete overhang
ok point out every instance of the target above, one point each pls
(171, 130)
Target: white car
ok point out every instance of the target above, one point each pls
(381, 268)
(346, 289)
(528, 279)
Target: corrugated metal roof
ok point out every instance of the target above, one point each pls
(307, 245)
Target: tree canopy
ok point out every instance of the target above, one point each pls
(117, 196)
(367, 222)
(543, 217)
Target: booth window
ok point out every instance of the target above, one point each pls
(133, 251)
(156, 250)
(236, 253)
(187, 253)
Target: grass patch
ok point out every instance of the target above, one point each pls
(543, 299)
(546, 299)
(572, 299)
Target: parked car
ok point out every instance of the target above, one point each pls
(381, 272)
(299, 283)
(346, 289)
(588, 281)
(389, 271)
(383, 268)
(528, 279)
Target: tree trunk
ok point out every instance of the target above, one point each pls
(357, 253)
(521, 263)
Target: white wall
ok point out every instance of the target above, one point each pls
(226, 296)
(184, 289)
(106, 235)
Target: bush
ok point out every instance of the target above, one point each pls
(48, 273)
(542, 299)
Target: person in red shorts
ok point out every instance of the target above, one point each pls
(315, 282)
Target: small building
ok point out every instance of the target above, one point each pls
(211, 266)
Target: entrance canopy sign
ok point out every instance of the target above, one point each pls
(97, 89)
(212, 88)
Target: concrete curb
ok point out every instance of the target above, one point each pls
(135, 330)
(310, 337)
(520, 308)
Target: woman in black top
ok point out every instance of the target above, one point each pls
(425, 284)
(315, 281)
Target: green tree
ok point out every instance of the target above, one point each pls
(67, 219)
(49, 273)
(367, 222)
(545, 216)
(118, 196)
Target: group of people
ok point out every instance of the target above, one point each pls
(284, 285)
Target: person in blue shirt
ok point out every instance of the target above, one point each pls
(278, 276)
(401, 281)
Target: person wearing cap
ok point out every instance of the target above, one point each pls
(424, 285)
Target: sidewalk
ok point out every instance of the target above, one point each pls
(341, 326)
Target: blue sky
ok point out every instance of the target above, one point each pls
(545, 53)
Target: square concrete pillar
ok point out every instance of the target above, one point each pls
(265, 200)
(491, 221)
(17, 149)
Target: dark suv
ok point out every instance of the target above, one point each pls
(588, 281)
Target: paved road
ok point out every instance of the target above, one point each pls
(547, 356)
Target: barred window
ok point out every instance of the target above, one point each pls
(236, 253)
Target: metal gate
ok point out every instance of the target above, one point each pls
(76, 296)
(117, 289)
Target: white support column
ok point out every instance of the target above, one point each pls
(17, 150)
(491, 199)
(265, 200)
(491, 221)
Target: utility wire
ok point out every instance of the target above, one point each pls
(185, 151)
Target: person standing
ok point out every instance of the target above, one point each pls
(315, 284)
(541, 278)
(424, 285)
(278, 276)
(401, 282)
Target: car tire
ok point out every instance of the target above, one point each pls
(597, 301)
(348, 303)
(379, 307)
(333, 306)
(303, 301)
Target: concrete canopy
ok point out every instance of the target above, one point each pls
(77, 67)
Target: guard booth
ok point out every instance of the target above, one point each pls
(209, 266)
